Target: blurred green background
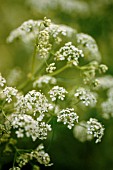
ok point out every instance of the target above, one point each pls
(93, 17)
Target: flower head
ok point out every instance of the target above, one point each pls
(80, 132)
(68, 116)
(70, 53)
(2, 81)
(9, 92)
(96, 129)
(25, 125)
(41, 156)
(57, 92)
(51, 68)
(85, 96)
(103, 68)
(33, 102)
(44, 46)
(44, 80)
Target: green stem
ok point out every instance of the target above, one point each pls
(52, 135)
(32, 77)
(14, 159)
(59, 71)
(5, 116)
(82, 67)
(23, 150)
(77, 102)
(22, 86)
(39, 68)
(49, 120)
(82, 125)
(34, 56)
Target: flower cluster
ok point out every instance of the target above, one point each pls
(15, 76)
(89, 46)
(103, 68)
(33, 102)
(9, 93)
(39, 154)
(80, 132)
(31, 29)
(86, 96)
(107, 106)
(68, 116)
(23, 159)
(26, 125)
(44, 46)
(57, 93)
(2, 81)
(105, 82)
(27, 31)
(55, 31)
(70, 7)
(44, 80)
(96, 129)
(46, 22)
(31, 112)
(51, 67)
(70, 53)
(89, 72)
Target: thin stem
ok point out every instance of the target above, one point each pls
(34, 56)
(53, 125)
(23, 150)
(49, 120)
(41, 66)
(82, 67)
(22, 86)
(77, 102)
(14, 159)
(82, 125)
(5, 116)
(52, 136)
(59, 71)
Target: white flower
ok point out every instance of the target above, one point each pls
(2, 81)
(103, 68)
(20, 133)
(44, 80)
(70, 53)
(57, 92)
(41, 156)
(38, 154)
(85, 96)
(44, 46)
(107, 106)
(25, 125)
(9, 92)
(95, 128)
(51, 67)
(105, 82)
(68, 116)
(55, 32)
(89, 46)
(72, 6)
(14, 76)
(80, 132)
(27, 31)
(33, 102)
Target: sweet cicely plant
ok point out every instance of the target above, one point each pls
(62, 79)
